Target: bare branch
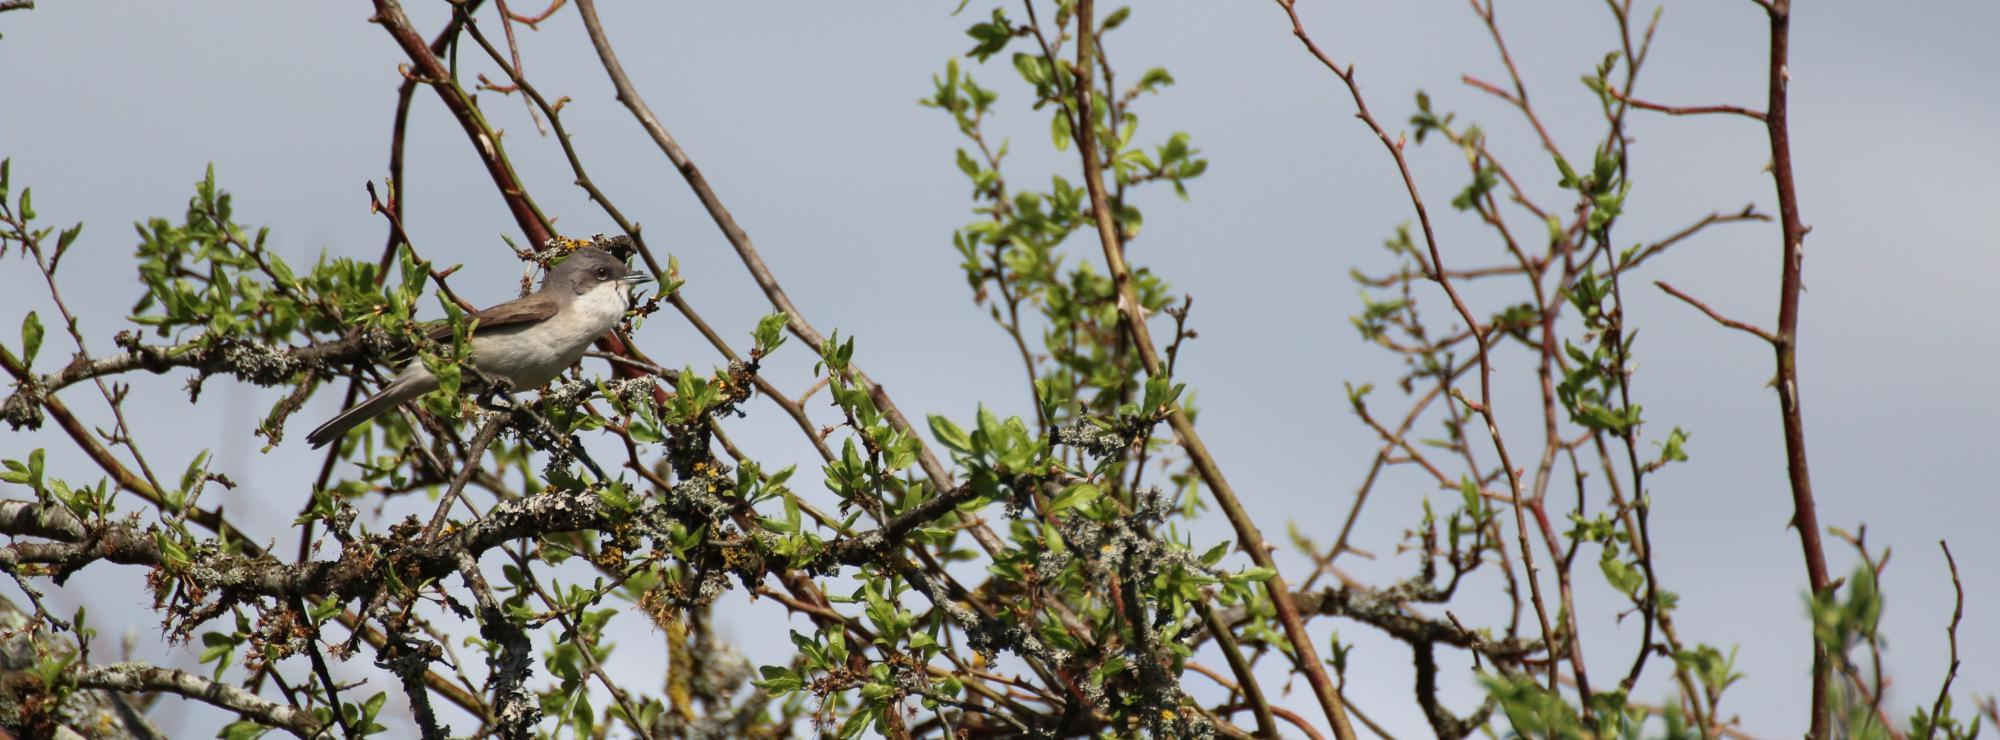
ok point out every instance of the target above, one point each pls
(1805, 516)
(1683, 110)
(1951, 633)
(1246, 678)
(1719, 318)
(1749, 213)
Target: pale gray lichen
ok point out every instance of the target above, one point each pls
(632, 392)
(565, 393)
(1091, 438)
(701, 495)
(259, 364)
(23, 409)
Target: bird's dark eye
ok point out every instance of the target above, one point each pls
(603, 274)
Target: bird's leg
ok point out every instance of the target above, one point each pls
(495, 388)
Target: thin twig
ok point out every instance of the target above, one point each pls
(1951, 633)
(1749, 213)
(1683, 110)
(473, 457)
(1719, 318)
(1486, 15)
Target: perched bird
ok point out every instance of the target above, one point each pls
(528, 341)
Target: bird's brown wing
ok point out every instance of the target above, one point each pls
(527, 310)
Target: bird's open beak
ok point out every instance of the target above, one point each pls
(635, 277)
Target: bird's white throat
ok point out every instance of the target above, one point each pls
(601, 307)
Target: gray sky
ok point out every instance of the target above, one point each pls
(803, 117)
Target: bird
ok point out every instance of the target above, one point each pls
(527, 341)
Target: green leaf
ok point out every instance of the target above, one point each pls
(991, 37)
(282, 271)
(35, 469)
(1216, 553)
(1672, 450)
(1569, 181)
(243, 729)
(1621, 574)
(778, 680)
(68, 237)
(194, 472)
(950, 435)
(1031, 69)
(1468, 490)
(31, 338)
(1074, 496)
(1116, 18)
(967, 165)
(770, 332)
(1161, 392)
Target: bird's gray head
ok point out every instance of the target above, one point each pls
(588, 269)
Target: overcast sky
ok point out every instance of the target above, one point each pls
(803, 116)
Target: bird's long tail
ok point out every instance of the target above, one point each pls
(403, 389)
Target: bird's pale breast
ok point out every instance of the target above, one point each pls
(536, 353)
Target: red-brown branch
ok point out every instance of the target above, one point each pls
(1683, 110)
(430, 69)
(1719, 318)
(1805, 515)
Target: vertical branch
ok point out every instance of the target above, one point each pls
(1131, 314)
(1804, 516)
(1951, 633)
(1246, 678)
